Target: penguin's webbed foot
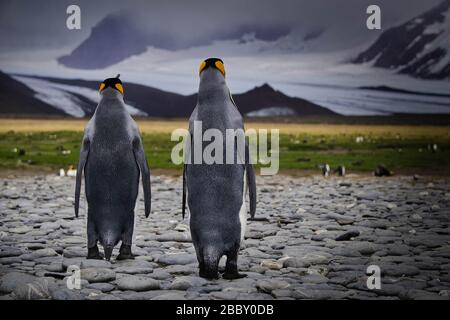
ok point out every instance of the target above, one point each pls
(233, 276)
(124, 256)
(125, 253)
(94, 253)
(208, 275)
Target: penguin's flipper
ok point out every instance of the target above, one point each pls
(251, 181)
(141, 161)
(81, 164)
(187, 159)
(183, 209)
(251, 187)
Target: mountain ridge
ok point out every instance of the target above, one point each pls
(117, 37)
(15, 97)
(418, 47)
(159, 103)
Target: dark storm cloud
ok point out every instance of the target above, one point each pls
(41, 24)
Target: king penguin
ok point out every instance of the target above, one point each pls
(215, 193)
(112, 158)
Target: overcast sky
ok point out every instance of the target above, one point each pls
(28, 25)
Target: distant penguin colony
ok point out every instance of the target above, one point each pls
(112, 157)
(218, 212)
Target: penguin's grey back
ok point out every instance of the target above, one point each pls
(215, 191)
(111, 172)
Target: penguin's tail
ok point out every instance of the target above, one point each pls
(108, 252)
(209, 269)
(109, 241)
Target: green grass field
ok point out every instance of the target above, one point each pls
(302, 147)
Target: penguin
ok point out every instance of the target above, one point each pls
(382, 171)
(112, 158)
(325, 169)
(71, 172)
(215, 193)
(340, 171)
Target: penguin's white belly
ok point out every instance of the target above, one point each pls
(243, 210)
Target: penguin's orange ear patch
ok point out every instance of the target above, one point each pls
(219, 65)
(102, 86)
(202, 66)
(119, 87)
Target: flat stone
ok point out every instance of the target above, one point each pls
(177, 259)
(186, 282)
(269, 285)
(10, 252)
(143, 295)
(341, 219)
(66, 294)
(10, 260)
(55, 267)
(136, 283)
(41, 253)
(102, 286)
(306, 261)
(171, 296)
(423, 295)
(175, 236)
(364, 248)
(399, 270)
(227, 295)
(71, 262)
(313, 278)
(133, 270)
(12, 280)
(94, 263)
(50, 225)
(20, 230)
(274, 265)
(347, 235)
(74, 253)
(98, 275)
(160, 275)
(36, 290)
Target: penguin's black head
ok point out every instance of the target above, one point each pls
(215, 63)
(114, 83)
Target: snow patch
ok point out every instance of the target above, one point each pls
(272, 112)
(62, 96)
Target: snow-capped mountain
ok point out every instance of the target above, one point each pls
(419, 47)
(113, 39)
(119, 36)
(17, 98)
(78, 98)
(73, 100)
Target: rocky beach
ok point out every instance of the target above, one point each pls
(314, 238)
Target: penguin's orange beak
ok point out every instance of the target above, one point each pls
(202, 67)
(119, 87)
(219, 65)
